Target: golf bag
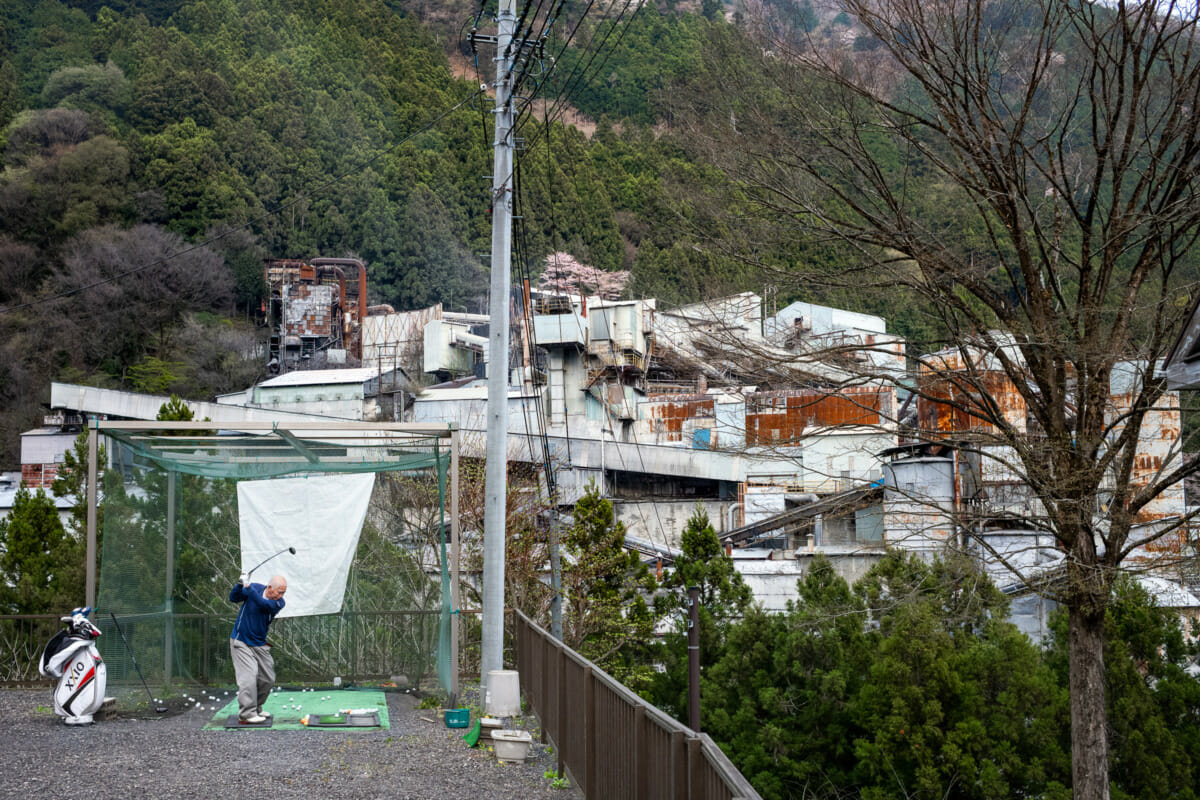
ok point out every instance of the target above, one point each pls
(72, 657)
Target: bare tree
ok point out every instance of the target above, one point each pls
(125, 291)
(1028, 170)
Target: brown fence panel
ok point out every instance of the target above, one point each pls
(571, 738)
(612, 742)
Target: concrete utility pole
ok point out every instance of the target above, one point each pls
(496, 477)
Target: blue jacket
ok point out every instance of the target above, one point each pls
(256, 613)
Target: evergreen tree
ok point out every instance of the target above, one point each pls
(703, 563)
(175, 410)
(606, 616)
(909, 685)
(779, 696)
(723, 599)
(41, 565)
(71, 481)
(955, 702)
(1153, 703)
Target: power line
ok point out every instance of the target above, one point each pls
(577, 75)
(571, 87)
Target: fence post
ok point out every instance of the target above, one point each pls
(204, 638)
(544, 711)
(679, 789)
(590, 733)
(90, 567)
(353, 648)
(560, 730)
(169, 591)
(639, 760)
(695, 762)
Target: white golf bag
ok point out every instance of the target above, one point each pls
(72, 657)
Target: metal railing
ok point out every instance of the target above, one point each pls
(22, 638)
(612, 742)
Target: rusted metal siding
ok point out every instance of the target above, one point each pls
(670, 415)
(1157, 454)
(772, 418)
(321, 300)
(781, 417)
(309, 310)
(946, 402)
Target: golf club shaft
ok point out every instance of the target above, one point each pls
(265, 560)
(132, 657)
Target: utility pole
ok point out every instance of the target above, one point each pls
(694, 658)
(496, 477)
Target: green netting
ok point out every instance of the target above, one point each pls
(170, 553)
(274, 454)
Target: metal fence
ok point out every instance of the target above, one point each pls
(22, 637)
(612, 742)
(356, 646)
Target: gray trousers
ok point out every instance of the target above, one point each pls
(254, 669)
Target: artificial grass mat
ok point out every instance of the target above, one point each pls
(283, 707)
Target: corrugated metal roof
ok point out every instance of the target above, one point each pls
(1168, 594)
(48, 432)
(460, 393)
(321, 377)
(10, 482)
(472, 392)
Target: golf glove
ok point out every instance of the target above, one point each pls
(244, 579)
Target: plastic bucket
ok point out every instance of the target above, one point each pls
(512, 746)
(503, 693)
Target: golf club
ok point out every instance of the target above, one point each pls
(291, 550)
(159, 709)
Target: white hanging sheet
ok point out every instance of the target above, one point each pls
(322, 517)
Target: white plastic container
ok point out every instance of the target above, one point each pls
(512, 746)
(503, 693)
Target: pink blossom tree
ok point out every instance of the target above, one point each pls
(565, 274)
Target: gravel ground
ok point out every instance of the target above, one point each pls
(140, 754)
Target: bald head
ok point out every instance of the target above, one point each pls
(276, 587)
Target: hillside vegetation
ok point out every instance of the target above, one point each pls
(154, 153)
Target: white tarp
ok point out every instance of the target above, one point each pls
(321, 517)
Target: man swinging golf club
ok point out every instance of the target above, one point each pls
(252, 661)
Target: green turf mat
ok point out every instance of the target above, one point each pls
(287, 706)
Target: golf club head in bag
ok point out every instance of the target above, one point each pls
(72, 657)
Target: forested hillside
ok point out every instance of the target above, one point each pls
(155, 152)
